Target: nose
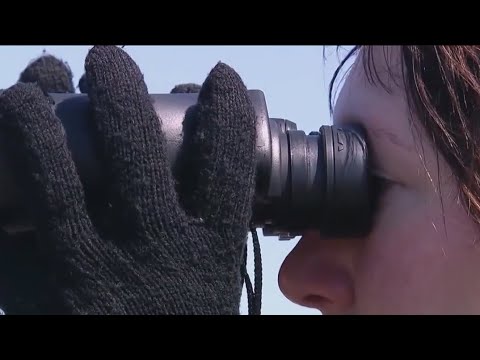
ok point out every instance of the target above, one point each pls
(318, 274)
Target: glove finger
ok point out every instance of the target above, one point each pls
(42, 163)
(186, 88)
(222, 154)
(82, 84)
(141, 187)
(51, 74)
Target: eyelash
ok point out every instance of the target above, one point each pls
(383, 183)
(380, 186)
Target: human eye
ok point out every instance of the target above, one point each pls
(380, 186)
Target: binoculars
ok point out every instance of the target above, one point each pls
(304, 181)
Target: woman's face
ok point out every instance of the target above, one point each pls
(423, 254)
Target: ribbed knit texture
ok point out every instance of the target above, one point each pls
(163, 255)
(50, 74)
(186, 88)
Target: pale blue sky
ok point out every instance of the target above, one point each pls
(294, 79)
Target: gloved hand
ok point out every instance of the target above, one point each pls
(52, 75)
(180, 88)
(164, 253)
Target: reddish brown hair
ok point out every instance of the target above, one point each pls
(443, 89)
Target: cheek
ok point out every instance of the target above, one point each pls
(413, 260)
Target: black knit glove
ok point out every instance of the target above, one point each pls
(163, 254)
(180, 88)
(50, 74)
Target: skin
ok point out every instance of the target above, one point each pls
(423, 253)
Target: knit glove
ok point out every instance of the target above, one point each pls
(164, 252)
(50, 74)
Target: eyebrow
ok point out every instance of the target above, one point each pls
(377, 133)
(390, 137)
